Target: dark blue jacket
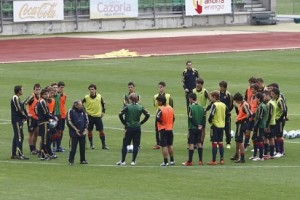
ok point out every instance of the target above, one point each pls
(77, 120)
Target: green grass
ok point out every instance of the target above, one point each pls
(101, 179)
(291, 7)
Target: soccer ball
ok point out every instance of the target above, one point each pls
(232, 133)
(292, 134)
(285, 134)
(52, 123)
(130, 148)
(297, 133)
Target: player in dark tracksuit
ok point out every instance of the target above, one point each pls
(18, 115)
(77, 121)
(189, 76)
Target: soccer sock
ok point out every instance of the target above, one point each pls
(246, 142)
(90, 136)
(102, 137)
(261, 149)
(266, 148)
(191, 153)
(272, 150)
(171, 158)
(200, 153)
(31, 147)
(280, 145)
(124, 152)
(255, 148)
(214, 151)
(135, 152)
(166, 160)
(242, 156)
(276, 145)
(221, 150)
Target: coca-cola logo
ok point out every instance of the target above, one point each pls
(43, 11)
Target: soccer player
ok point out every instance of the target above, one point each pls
(32, 120)
(44, 131)
(63, 114)
(261, 85)
(189, 76)
(18, 115)
(195, 126)
(270, 125)
(203, 100)
(248, 92)
(243, 114)
(217, 118)
(281, 113)
(169, 101)
(95, 109)
(77, 121)
(226, 98)
(253, 106)
(260, 121)
(164, 122)
(130, 117)
(131, 90)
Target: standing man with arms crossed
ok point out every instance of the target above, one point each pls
(164, 123)
(77, 121)
(32, 120)
(130, 117)
(195, 125)
(189, 76)
(18, 116)
(169, 101)
(95, 109)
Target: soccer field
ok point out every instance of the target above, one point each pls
(102, 179)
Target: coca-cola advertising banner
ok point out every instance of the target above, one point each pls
(207, 7)
(28, 11)
(103, 9)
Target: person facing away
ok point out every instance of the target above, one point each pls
(130, 117)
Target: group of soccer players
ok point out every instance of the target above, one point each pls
(261, 111)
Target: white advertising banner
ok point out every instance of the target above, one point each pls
(27, 11)
(207, 7)
(103, 9)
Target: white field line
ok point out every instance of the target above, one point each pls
(150, 55)
(153, 166)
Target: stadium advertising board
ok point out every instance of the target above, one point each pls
(27, 11)
(207, 7)
(103, 9)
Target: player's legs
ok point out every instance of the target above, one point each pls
(73, 143)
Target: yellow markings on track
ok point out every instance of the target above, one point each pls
(114, 54)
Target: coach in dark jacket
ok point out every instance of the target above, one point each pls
(77, 121)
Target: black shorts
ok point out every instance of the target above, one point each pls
(279, 128)
(95, 121)
(216, 134)
(250, 125)
(194, 136)
(132, 134)
(32, 124)
(166, 137)
(258, 135)
(43, 129)
(60, 123)
(240, 131)
(271, 134)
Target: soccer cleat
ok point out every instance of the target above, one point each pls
(164, 164)
(187, 163)
(172, 163)
(132, 163)
(71, 163)
(105, 147)
(278, 155)
(234, 157)
(228, 146)
(120, 163)
(22, 157)
(156, 147)
(240, 161)
(15, 157)
(84, 162)
(212, 163)
(54, 156)
(60, 150)
(221, 162)
(258, 159)
(34, 152)
(200, 162)
(252, 157)
(92, 146)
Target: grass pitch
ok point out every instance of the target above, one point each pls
(101, 179)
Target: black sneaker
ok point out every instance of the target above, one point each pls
(105, 147)
(240, 161)
(15, 157)
(234, 157)
(84, 162)
(92, 146)
(22, 157)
